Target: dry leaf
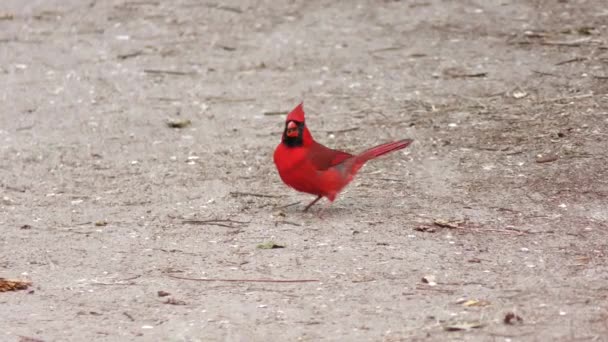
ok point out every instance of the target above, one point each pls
(13, 285)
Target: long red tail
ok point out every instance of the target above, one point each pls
(383, 149)
(351, 165)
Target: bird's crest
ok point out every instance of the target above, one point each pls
(297, 114)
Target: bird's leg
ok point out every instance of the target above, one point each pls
(322, 211)
(313, 202)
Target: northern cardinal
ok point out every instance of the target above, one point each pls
(310, 167)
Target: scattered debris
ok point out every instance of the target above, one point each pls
(178, 123)
(162, 293)
(546, 158)
(511, 319)
(429, 279)
(173, 301)
(463, 326)
(270, 245)
(13, 284)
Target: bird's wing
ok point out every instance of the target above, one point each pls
(324, 157)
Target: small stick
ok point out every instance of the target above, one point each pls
(129, 316)
(278, 112)
(576, 97)
(343, 130)
(237, 194)
(289, 222)
(219, 222)
(544, 73)
(576, 59)
(288, 205)
(247, 280)
(169, 72)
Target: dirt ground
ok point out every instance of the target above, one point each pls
(498, 208)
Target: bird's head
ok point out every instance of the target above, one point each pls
(296, 134)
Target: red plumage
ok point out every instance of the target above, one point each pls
(310, 167)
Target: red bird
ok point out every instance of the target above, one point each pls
(310, 167)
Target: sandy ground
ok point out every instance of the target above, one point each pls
(507, 102)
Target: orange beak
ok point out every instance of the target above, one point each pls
(292, 129)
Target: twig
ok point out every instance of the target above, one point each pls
(343, 130)
(574, 43)
(24, 128)
(278, 112)
(434, 289)
(225, 8)
(568, 98)
(600, 77)
(544, 73)
(225, 99)
(288, 205)
(169, 72)
(247, 280)
(576, 59)
(217, 222)
(390, 48)
(130, 54)
(253, 194)
(288, 222)
(120, 282)
(129, 316)
(458, 73)
(12, 188)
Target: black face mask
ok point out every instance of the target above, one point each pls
(296, 141)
